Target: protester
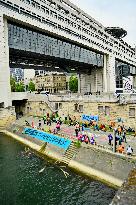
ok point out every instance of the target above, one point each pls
(32, 124)
(121, 149)
(129, 150)
(124, 135)
(40, 124)
(83, 127)
(120, 140)
(27, 123)
(110, 138)
(96, 127)
(48, 121)
(92, 141)
(86, 139)
(77, 127)
(58, 126)
(44, 119)
(60, 120)
(83, 138)
(55, 131)
(119, 130)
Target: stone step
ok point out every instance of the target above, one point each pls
(69, 154)
(66, 161)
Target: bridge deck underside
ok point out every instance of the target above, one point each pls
(27, 60)
(32, 49)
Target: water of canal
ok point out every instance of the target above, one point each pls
(22, 184)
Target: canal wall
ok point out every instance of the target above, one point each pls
(127, 193)
(94, 162)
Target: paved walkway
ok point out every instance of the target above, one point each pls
(101, 137)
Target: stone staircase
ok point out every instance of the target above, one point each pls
(3, 122)
(7, 116)
(69, 154)
(42, 98)
(2, 128)
(43, 147)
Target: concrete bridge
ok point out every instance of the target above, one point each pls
(58, 35)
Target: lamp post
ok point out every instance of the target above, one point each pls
(114, 141)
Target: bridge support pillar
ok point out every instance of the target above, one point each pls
(5, 90)
(91, 82)
(109, 77)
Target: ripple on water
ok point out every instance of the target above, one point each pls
(22, 184)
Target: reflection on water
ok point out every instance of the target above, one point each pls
(22, 184)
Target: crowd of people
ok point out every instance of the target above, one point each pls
(85, 136)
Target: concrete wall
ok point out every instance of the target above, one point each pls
(110, 112)
(127, 193)
(89, 33)
(7, 116)
(5, 90)
(36, 108)
(105, 162)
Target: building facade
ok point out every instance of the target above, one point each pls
(17, 73)
(74, 37)
(53, 82)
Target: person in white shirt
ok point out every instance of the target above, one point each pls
(129, 150)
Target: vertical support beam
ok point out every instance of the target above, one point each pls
(96, 81)
(105, 89)
(79, 83)
(5, 90)
(111, 77)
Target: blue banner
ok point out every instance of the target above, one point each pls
(50, 138)
(90, 117)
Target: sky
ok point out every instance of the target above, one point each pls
(119, 13)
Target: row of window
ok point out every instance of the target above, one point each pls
(25, 39)
(53, 85)
(75, 25)
(67, 15)
(48, 79)
(105, 110)
(50, 23)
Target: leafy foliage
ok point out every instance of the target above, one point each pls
(16, 87)
(31, 86)
(73, 83)
(20, 87)
(13, 84)
(77, 144)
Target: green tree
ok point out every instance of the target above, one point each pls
(20, 87)
(31, 86)
(73, 83)
(13, 84)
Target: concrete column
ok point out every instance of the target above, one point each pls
(96, 81)
(79, 83)
(110, 70)
(105, 75)
(84, 82)
(5, 90)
